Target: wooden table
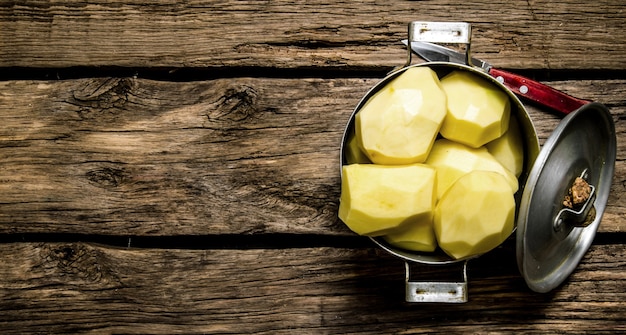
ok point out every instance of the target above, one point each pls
(173, 167)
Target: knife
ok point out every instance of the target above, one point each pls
(527, 88)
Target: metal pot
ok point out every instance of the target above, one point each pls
(550, 240)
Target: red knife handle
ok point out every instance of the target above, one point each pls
(538, 92)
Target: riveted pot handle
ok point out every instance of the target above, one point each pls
(445, 292)
(440, 32)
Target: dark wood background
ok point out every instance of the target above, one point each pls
(173, 167)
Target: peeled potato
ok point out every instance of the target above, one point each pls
(399, 124)
(475, 215)
(452, 160)
(508, 148)
(478, 111)
(418, 236)
(353, 153)
(418, 192)
(376, 199)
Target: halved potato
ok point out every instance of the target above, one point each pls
(377, 199)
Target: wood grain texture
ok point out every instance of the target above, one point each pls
(542, 34)
(82, 288)
(218, 165)
(125, 156)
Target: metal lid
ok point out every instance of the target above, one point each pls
(552, 240)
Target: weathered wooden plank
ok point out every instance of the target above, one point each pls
(145, 159)
(124, 156)
(82, 288)
(542, 34)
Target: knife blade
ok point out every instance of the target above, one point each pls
(532, 90)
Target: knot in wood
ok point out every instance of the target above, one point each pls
(78, 262)
(235, 104)
(107, 176)
(102, 94)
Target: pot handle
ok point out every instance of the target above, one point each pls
(446, 292)
(440, 32)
